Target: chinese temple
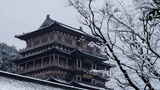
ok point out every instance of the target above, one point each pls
(62, 54)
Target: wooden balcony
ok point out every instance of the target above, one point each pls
(32, 69)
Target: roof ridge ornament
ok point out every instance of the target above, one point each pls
(48, 16)
(47, 22)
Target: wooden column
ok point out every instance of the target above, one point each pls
(95, 66)
(18, 69)
(41, 61)
(25, 67)
(92, 66)
(78, 63)
(31, 42)
(50, 59)
(58, 60)
(34, 64)
(53, 59)
(66, 65)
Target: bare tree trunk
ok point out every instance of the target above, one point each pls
(123, 70)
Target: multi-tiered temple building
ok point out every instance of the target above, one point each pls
(62, 54)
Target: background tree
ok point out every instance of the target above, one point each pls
(130, 37)
(7, 55)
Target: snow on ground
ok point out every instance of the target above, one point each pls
(11, 84)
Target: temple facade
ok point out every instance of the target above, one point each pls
(61, 53)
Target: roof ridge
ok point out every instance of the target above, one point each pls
(67, 25)
(47, 22)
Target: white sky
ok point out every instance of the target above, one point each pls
(18, 16)
(22, 16)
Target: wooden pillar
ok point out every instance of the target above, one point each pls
(41, 63)
(34, 64)
(58, 60)
(25, 67)
(47, 35)
(31, 42)
(31, 66)
(66, 64)
(50, 60)
(95, 66)
(92, 66)
(53, 59)
(18, 69)
(78, 63)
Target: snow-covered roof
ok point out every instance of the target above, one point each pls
(90, 87)
(37, 81)
(48, 22)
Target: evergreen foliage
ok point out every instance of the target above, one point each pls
(7, 55)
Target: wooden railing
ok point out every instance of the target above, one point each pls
(43, 67)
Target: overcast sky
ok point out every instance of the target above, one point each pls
(21, 16)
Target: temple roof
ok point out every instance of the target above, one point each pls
(46, 27)
(28, 80)
(89, 87)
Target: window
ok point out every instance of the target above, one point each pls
(52, 59)
(22, 67)
(36, 42)
(59, 36)
(46, 61)
(78, 43)
(78, 78)
(29, 43)
(52, 36)
(61, 61)
(44, 38)
(38, 63)
(68, 39)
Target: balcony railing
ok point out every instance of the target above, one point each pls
(33, 68)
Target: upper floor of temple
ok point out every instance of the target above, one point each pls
(59, 51)
(52, 31)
